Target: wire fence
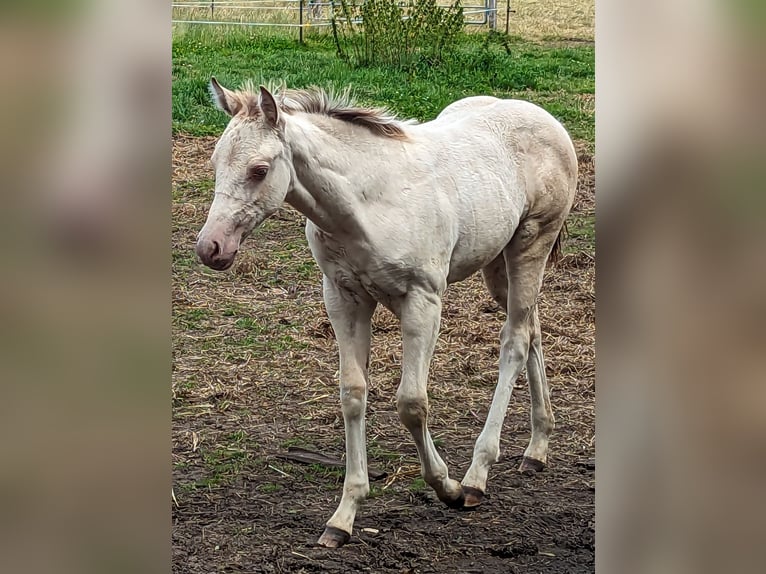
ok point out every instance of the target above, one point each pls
(301, 14)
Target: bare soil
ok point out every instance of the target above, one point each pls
(255, 372)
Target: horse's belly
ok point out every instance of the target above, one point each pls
(478, 245)
(464, 265)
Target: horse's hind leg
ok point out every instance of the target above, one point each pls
(541, 414)
(535, 456)
(524, 257)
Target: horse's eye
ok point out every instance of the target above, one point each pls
(258, 171)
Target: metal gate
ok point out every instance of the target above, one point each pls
(300, 14)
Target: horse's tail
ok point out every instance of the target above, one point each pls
(557, 249)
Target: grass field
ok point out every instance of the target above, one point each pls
(255, 365)
(559, 77)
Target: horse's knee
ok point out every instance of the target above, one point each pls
(412, 409)
(353, 398)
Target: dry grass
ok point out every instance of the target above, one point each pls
(532, 19)
(255, 364)
(261, 11)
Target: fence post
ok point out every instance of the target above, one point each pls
(507, 17)
(212, 9)
(491, 6)
(300, 21)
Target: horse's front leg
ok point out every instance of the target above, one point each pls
(350, 315)
(420, 316)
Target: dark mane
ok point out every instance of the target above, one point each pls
(340, 106)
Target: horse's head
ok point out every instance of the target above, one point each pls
(252, 173)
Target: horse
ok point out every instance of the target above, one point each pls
(396, 211)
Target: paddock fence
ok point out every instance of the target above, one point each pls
(300, 14)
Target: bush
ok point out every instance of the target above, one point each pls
(370, 32)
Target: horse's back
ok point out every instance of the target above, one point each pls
(514, 117)
(532, 141)
(467, 104)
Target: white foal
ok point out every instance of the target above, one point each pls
(396, 212)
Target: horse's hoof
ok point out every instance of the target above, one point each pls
(473, 497)
(531, 466)
(458, 502)
(333, 537)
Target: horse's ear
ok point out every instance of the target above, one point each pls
(225, 100)
(269, 107)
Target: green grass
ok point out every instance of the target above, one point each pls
(295, 441)
(222, 465)
(559, 77)
(269, 488)
(191, 318)
(235, 310)
(253, 325)
(581, 233)
(200, 188)
(418, 485)
(184, 259)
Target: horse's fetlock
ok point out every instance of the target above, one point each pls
(487, 453)
(358, 490)
(545, 424)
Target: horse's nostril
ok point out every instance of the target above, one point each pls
(216, 249)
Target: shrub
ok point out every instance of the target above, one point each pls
(399, 34)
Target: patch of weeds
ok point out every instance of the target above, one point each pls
(284, 467)
(263, 339)
(418, 485)
(376, 491)
(233, 310)
(183, 258)
(210, 482)
(185, 385)
(377, 452)
(284, 343)
(200, 189)
(581, 234)
(187, 486)
(191, 318)
(238, 437)
(252, 325)
(222, 465)
(295, 441)
(308, 269)
(316, 472)
(248, 341)
(269, 487)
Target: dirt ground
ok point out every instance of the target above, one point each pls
(255, 373)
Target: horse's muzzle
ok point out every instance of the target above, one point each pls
(217, 254)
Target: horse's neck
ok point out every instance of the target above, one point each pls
(327, 169)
